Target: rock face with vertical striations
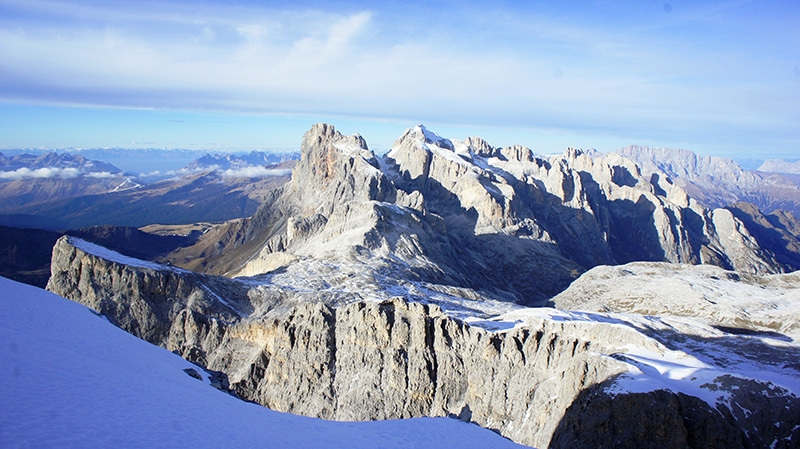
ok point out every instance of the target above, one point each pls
(538, 376)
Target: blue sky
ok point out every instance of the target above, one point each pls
(716, 77)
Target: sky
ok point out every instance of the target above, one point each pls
(715, 77)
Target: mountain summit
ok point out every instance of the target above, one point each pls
(503, 221)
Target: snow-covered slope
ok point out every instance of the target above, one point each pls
(752, 304)
(71, 379)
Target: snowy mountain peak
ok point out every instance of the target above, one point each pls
(444, 211)
(420, 132)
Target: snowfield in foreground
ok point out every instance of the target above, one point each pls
(71, 379)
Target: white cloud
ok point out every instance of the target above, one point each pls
(100, 175)
(41, 173)
(255, 172)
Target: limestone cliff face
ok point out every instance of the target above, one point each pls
(500, 221)
(545, 382)
(395, 359)
(357, 361)
(596, 209)
(155, 304)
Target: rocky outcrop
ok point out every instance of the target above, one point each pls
(594, 209)
(779, 232)
(148, 300)
(366, 361)
(356, 361)
(663, 419)
(759, 304)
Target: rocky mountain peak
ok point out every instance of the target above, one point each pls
(517, 153)
(338, 167)
(480, 147)
(423, 134)
(438, 209)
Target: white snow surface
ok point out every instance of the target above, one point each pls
(71, 379)
(678, 354)
(113, 256)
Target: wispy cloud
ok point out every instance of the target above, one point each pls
(252, 171)
(636, 71)
(255, 172)
(101, 175)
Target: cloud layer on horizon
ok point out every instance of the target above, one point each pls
(41, 173)
(714, 70)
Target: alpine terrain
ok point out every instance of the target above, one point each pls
(564, 301)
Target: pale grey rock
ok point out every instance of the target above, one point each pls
(543, 382)
(157, 305)
(595, 209)
(769, 304)
(778, 232)
(718, 182)
(466, 215)
(780, 166)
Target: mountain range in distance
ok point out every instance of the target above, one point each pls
(50, 193)
(147, 161)
(718, 182)
(67, 191)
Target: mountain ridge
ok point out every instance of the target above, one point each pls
(539, 376)
(718, 181)
(441, 209)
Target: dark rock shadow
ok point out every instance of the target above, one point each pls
(752, 414)
(132, 242)
(771, 233)
(754, 333)
(633, 233)
(526, 269)
(657, 419)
